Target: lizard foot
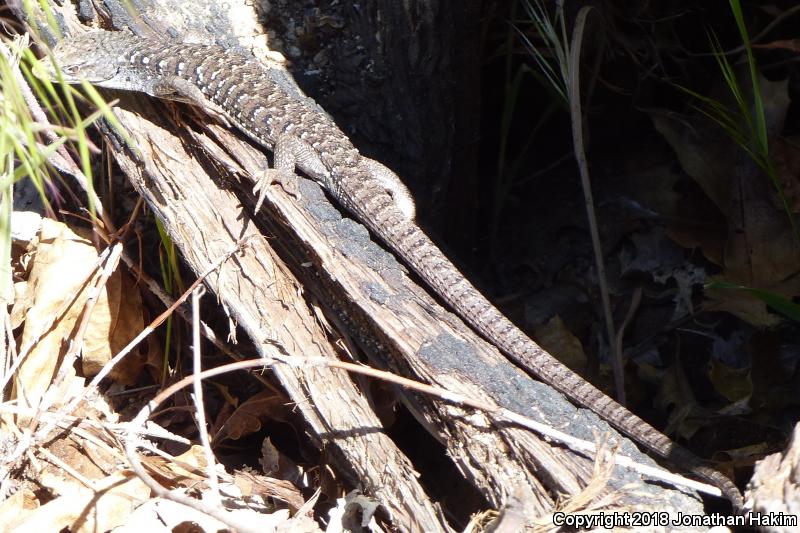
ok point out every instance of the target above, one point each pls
(285, 178)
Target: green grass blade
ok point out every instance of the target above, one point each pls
(776, 302)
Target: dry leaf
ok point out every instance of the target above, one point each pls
(269, 487)
(83, 510)
(54, 295)
(760, 248)
(732, 383)
(15, 508)
(557, 339)
(63, 265)
(112, 327)
(277, 464)
(249, 417)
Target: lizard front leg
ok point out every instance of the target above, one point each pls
(180, 90)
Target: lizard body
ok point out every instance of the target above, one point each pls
(244, 92)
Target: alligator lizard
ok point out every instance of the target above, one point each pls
(250, 96)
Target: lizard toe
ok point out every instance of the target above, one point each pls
(286, 179)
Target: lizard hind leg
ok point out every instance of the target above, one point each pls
(396, 188)
(283, 172)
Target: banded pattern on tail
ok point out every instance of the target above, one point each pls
(415, 247)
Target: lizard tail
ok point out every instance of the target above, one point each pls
(376, 209)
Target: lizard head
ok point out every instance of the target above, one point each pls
(90, 56)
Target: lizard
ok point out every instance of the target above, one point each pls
(246, 93)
